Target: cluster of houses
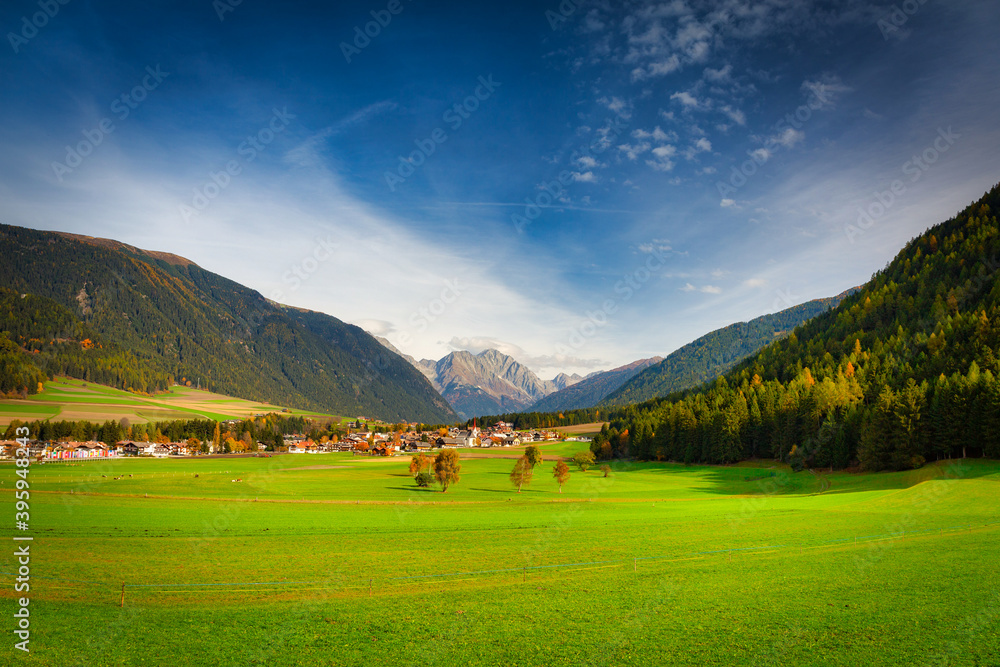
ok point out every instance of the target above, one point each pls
(361, 442)
(387, 444)
(53, 451)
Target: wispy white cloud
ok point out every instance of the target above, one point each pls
(705, 289)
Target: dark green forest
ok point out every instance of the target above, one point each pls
(109, 313)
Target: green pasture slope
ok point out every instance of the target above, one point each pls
(341, 560)
(64, 398)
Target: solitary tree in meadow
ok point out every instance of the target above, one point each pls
(521, 474)
(561, 473)
(533, 454)
(446, 468)
(583, 460)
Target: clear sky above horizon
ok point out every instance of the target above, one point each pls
(578, 185)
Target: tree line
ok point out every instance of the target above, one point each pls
(241, 435)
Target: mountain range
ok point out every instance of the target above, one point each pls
(489, 382)
(492, 383)
(109, 312)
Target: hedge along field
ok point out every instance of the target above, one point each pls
(469, 576)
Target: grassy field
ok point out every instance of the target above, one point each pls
(69, 399)
(336, 559)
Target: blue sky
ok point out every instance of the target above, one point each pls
(616, 179)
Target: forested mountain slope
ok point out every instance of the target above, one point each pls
(589, 391)
(111, 313)
(714, 353)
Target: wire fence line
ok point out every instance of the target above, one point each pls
(524, 570)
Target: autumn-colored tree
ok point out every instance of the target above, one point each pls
(416, 464)
(193, 444)
(447, 468)
(521, 474)
(217, 437)
(561, 473)
(606, 469)
(533, 454)
(583, 460)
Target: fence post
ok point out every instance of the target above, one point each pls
(369, 587)
(122, 603)
(635, 564)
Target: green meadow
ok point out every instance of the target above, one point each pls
(341, 560)
(76, 400)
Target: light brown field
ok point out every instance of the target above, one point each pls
(581, 429)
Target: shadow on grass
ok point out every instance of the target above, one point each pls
(739, 480)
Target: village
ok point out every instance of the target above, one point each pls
(361, 439)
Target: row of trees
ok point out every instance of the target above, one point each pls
(539, 420)
(199, 433)
(445, 468)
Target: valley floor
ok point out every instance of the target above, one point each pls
(335, 559)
